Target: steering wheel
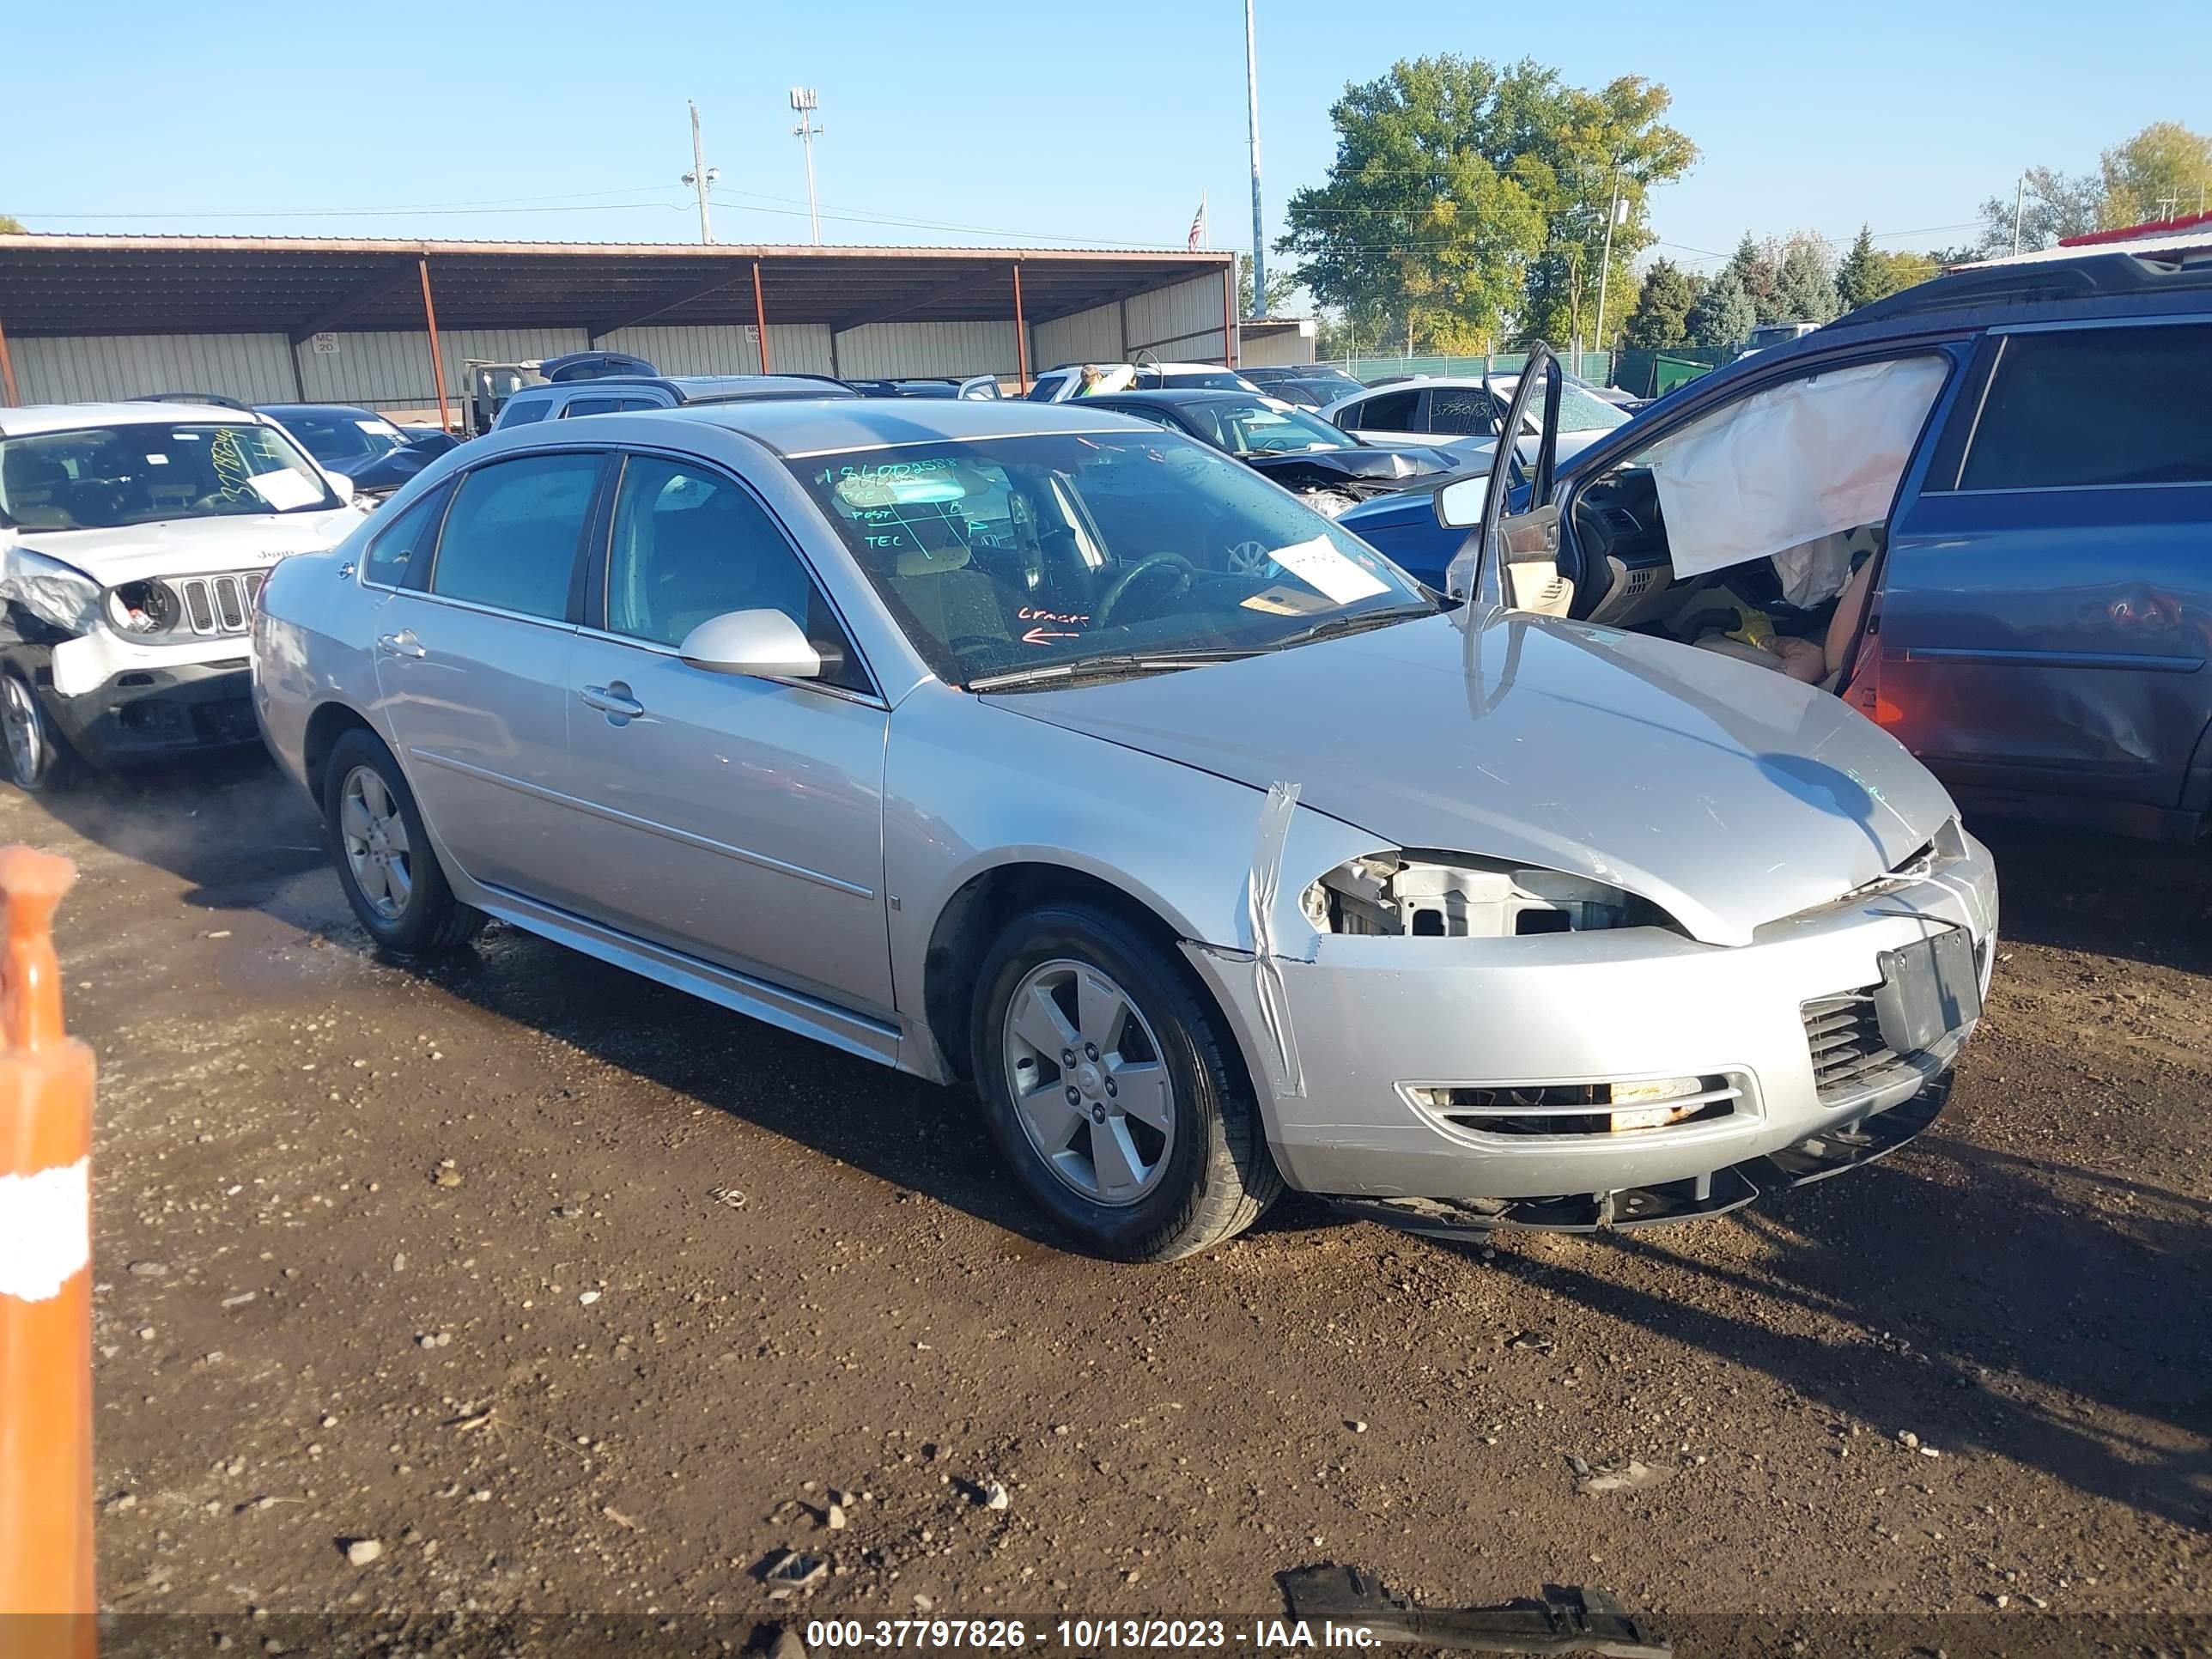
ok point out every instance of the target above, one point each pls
(1174, 563)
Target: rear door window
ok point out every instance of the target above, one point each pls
(1460, 412)
(401, 551)
(2074, 409)
(1393, 411)
(512, 536)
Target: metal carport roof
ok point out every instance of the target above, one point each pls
(69, 285)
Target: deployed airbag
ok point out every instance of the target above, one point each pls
(1790, 465)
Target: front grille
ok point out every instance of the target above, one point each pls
(1570, 1108)
(1848, 1056)
(219, 604)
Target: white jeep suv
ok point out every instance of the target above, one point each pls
(134, 538)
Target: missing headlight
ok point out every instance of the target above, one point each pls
(143, 607)
(1450, 896)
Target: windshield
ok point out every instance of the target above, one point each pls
(1008, 554)
(1253, 428)
(1200, 380)
(343, 442)
(96, 478)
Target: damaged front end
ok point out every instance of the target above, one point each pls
(1450, 895)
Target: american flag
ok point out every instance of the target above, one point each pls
(1197, 226)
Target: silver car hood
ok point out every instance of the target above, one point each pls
(1726, 793)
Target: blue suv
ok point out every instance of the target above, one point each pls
(1979, 509)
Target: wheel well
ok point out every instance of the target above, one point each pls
(974, 915)
(325, 727)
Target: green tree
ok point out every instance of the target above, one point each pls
(1863, 275)
(1753, 270)
(1804, 292)
(2164, 171)
(1454, 179)
(1908, 270)
(1724, 315)
(1661, 316)
(11, 227)
(1281, 285)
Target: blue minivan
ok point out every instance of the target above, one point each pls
(1979, 509)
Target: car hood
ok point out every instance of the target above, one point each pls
(1727, 794)
(1369, 463)
(186, 547)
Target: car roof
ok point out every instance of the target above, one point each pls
(811, 426)
(341, 411)
(1173, 396)
(701, 386)
(65, 417)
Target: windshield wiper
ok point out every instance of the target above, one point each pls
(1124, 662)
(1356, 623)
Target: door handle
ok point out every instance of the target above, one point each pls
(613, 699)
(402, 644)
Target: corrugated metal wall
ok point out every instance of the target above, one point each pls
(1088, 337)
(884, 351)
(392, 370)
(793, 348)
(86, 368)
(1179, 323)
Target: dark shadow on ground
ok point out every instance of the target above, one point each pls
(1975, 1292)
(229, 822)
(2073, 890)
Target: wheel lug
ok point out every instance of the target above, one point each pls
(1074, 1096)
(1091, 1051)
(1110, 1089)
(1067, 1056)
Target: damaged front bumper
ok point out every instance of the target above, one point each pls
(1464, 1082)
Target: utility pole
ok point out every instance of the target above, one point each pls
(1252, 99)
(805, 101)
(702, 177)
(2019, 201)
(1612, 218)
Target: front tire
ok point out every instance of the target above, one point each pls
(1108, 1085)
(390, 876)
(40, 759)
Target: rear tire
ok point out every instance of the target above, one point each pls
(385, 862)
(1107, 1082)
(40, 759)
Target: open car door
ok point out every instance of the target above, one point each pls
(1512, 560)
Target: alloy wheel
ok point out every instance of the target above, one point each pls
(1090, 1085)
(27, 741)
(377, 849)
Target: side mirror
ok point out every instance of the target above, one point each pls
(342, 487)
(1459, 504)
(764, 643)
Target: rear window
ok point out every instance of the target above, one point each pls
(1392, 411)
(2096, 406)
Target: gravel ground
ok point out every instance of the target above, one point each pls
(571, 1295)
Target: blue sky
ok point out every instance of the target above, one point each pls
(985, 121)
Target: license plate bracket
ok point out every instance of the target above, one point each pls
(1929, 988)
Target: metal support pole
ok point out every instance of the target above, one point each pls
(1228, 317)
(702, 176)
(437, 353)
(1021, 336)
(2019, 201)
(1612, 217)
(1252, 98)
(6, 370)
(760, 317)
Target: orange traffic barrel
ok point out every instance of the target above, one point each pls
(45, 1295)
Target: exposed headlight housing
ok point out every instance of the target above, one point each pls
(1449, 896)
(144, 608)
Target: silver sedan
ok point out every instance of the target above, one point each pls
(1028, 748)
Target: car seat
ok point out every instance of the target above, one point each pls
(1835, 645)
(35, 485)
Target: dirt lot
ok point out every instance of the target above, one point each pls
(579, 1296)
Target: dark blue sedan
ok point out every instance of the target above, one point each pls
(378, 456)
